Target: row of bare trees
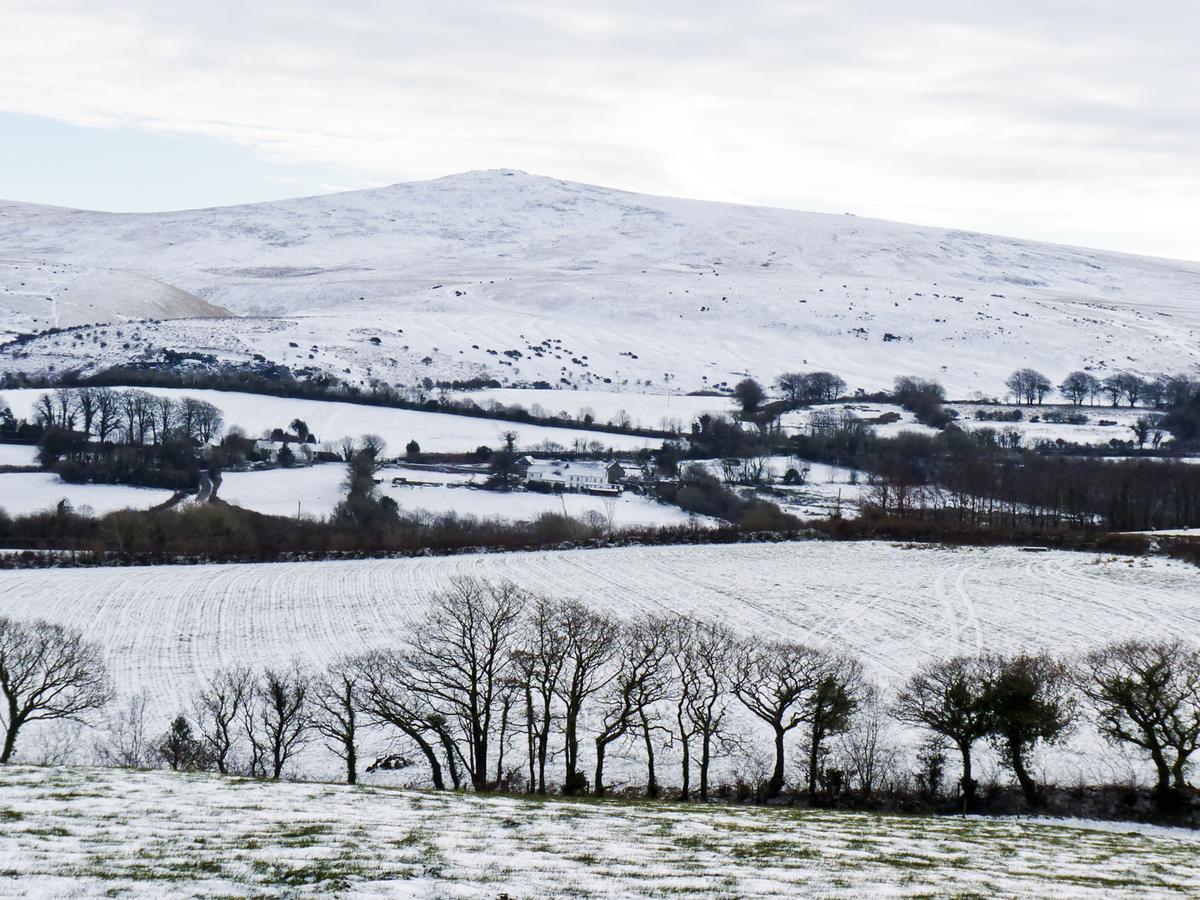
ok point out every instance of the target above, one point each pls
(494, 685)
(128, 416)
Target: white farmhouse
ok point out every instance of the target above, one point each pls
(575, 476)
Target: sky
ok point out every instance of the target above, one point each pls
(1074, 121)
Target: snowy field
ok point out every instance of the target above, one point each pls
(95, 832)
(330, 421)
(29, 492)
(18, 455)
(164, 628)
(643, 410)
(316, 490)
(1032, 432)
(799, 420)
(827, 490)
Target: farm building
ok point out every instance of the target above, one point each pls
(575, 476)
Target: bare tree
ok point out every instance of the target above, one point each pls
(775, 681)
(137, 414)
(461, 657)
(125, 744)
(47, 672)
(387, 696)
(1078, 386)
(44, 411)
(1030, 701)
(865, 749)
(277, 720)
(335, 704)
(1147, 693)
(702, 655)
(950, 698)
(66, 407)
(86, 404)
(373, 445)
(164, 416)
(208, 421)
(538, 661)
(1028, 386)
(107, 412)
(639, 682)
(218, 709)
(590, 646)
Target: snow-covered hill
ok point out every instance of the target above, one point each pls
(36, 295)
(583, 285)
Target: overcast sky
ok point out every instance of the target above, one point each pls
(1067, 120)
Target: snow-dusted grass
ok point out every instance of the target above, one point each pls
(18, 455)
(28, 492)
(316, 490)
(165, 628)
(91, 832)
(330, 421)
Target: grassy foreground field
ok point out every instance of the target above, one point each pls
(99, 832)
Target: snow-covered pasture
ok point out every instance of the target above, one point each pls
(1032, 432)
(29, 492)
(826, 489)
(316, 490)
(331, 420)
(95, 832)
(165, 628)
(643, 410)
(18, 455)
(800, 420)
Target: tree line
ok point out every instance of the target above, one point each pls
(123, 436)
(282, 382)
(494, 687)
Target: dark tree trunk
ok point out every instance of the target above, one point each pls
(651, 776)
(10, 736)
(598, 787)
(705, 759)
(435, 767)
(451, 763)
(814, 752)
(685, 791)
(571, 739)
(1162, 790)
(775, 785)
(530, 742)
(967, 783)
(500, 744)
(543, 749)
(1028, 785)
